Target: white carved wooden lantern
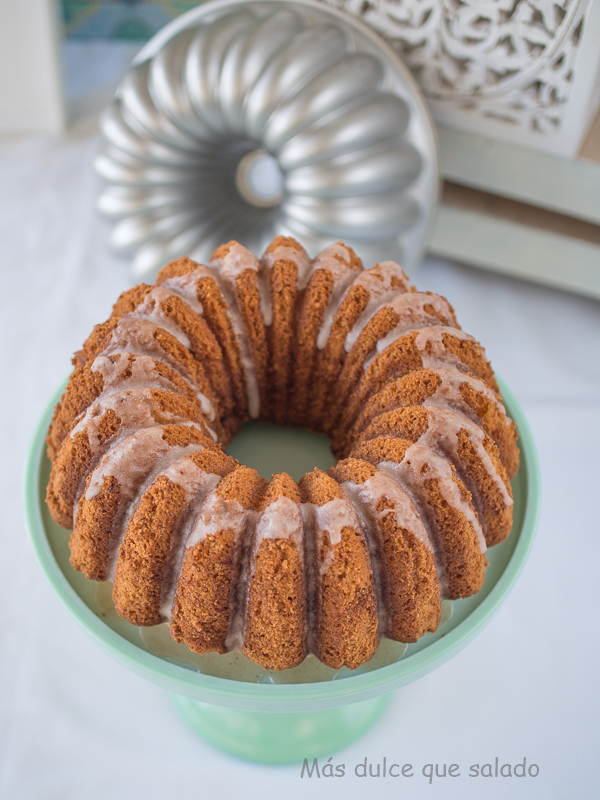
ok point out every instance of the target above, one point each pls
(513, 86)
(524, 71)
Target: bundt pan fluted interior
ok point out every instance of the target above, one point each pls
(249, 120)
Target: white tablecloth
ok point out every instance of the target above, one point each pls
(75, 724)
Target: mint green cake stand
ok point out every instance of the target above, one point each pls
(282, 723)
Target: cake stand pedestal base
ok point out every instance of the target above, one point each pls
(280, 738)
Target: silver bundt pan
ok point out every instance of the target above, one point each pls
(246, 120)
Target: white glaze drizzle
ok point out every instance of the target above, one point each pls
(163, 461)
(337, 260)
(143, 373)
(135, 462)
(330, 519)
(442, 436)
(412, 315)
(190, 297)
(299, 257)
(237, 324)
(225, 280)
(130, 461)
(281, 519)
(187, 285)
(134, 408)
(335, 515)
(234, 264)
(216, 515)
(437, 356)
(404, 506)
(196, 483)
(448, 395)
(419, 464)
(381, 485)
(134, 336)
(335, 300)
(378, 282)
(151, 310)
(372, 539)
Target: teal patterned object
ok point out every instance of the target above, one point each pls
(130, 20)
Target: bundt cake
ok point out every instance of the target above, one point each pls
(279, 569)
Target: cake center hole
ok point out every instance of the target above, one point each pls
(270, 449)
(259, 179)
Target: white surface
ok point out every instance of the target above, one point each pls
(31, 96)
(74, 724)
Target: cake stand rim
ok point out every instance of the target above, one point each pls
(282, 697)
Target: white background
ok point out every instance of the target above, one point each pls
(74, 724)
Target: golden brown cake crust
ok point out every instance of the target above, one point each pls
(310, 316)
(345, 602)
(278, 569)
(101, 509)
(384, 322)
(143, 566)
(203, 345)
(419, 387)
(91, 537)
(407, 354)
(317, 296)
(77, 455)
(207, 592)
(275, 633)
(83, 388)
(218, 316)
(129, 337)
(330, 361)
(464, 562)
(275, 629)
(248, 300)
(408, 576)
(143, 553)
(88, 382)
(494, 508)
(284, 297)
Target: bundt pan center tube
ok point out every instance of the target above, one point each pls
(250, 119)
